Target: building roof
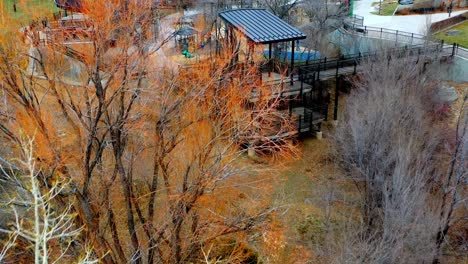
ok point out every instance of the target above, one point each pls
(261, 26)
(186, 31)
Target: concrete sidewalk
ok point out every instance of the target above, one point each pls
(411, 23)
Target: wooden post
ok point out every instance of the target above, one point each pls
(311, 119)
(337, 68)
(318, 70)
(292, 62)
(320, 90)
(337, 83)
(335, 106)
(270, 63)
(302, 87)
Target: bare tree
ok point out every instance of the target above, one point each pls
(324, 17)
(387, 144)
(144, 148)
(39, 217)
(280, 8)
(453, 196)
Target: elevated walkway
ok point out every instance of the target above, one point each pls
(307, 114)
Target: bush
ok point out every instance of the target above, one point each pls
(310, 229)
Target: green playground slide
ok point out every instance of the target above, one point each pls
(187, 54)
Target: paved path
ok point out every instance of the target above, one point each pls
(411, 23)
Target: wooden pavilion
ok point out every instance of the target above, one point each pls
(307, 99)
(261, 27)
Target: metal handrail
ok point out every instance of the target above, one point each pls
(351, 60)
(385, 33)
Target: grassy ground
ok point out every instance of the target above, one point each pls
(388, 7)
(318, 201)
(461, 39)
(26, 10)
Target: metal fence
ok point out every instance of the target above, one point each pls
(460, 51)
(355, 20)
(389, 34)
(455, 50)
(395, 35)
(325, 64)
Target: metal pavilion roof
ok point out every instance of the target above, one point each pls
(261, 26)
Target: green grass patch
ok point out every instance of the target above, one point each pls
(461, 39)
(388, 8)
(26, 10)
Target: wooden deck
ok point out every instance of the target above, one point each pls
(281, 86)
(331, 74)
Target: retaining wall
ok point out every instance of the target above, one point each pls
(441, 25)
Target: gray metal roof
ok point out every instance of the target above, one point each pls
(261, 26)
(186, 31)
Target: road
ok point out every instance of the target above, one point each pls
(410, 23)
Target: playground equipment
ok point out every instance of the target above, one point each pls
(187, 54)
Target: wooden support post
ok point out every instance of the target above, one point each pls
(226, 36)
(318, 70)
(306, 98)
(320, 92)
(337, 68)
(335, 106)
(292, 62)
(270, 63)
(311, 119)
(302, 87)
(328, 99)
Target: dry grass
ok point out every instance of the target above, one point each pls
(310, 187)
